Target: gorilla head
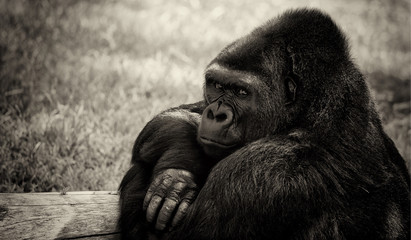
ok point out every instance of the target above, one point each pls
(294, 71)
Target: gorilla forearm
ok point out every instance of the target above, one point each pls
(166, 148)
(132, 191)
(169, 140)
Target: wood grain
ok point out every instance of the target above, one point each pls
(84, 215)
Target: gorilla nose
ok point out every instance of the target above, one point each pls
(223, 115)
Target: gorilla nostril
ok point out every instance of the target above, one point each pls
(210, 114)
(221, 117)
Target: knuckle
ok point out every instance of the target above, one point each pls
(148, 196)
(187, 203)
(150, 189)
(161, 192)
(171, 200)
(156, 199)
(173, 196)
(192, 187)
(151, 208)
(190, 195)
(187, 200)
(157, 179)
(180, 186)
(157, 194)
(166, 182)
(169, 174)
(186, 173)
(183, 210)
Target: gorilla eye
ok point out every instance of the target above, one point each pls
(218, 86)
(242, 92)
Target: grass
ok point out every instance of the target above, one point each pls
(80, 79)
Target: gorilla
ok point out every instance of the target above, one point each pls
(286, 144)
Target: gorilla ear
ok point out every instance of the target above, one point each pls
(290, 90)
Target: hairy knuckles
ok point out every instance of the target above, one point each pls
(168, 197)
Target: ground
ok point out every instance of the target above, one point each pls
(80, 79)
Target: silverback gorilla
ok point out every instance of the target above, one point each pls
(287, 144)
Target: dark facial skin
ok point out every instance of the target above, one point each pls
(234, 104)
(229, 95)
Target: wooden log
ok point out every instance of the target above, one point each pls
(83, 215)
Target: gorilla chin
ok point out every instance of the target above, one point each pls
(217, 149)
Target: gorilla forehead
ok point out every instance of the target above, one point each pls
(244, 54)
(229, 75)
(307, 32)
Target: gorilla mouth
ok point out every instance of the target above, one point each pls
(211, 142)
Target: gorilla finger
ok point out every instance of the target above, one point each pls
(147, 199)
(181, 212)
(152, 207)
(165, 213)
(150, 191)
(190, 194)
(160, 186)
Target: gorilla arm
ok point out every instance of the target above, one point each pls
(166, 149)
(263, 190)
(170, 138)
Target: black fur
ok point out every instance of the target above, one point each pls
(318, 167)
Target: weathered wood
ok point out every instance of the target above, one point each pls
(83, 215)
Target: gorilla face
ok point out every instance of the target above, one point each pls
(243, 106)
(229, 95)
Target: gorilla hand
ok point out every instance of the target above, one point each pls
(172, 191)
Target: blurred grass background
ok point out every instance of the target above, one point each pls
(79, 79)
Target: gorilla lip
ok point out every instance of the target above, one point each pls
(208, 141)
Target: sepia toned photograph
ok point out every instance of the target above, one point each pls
(192, 119)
